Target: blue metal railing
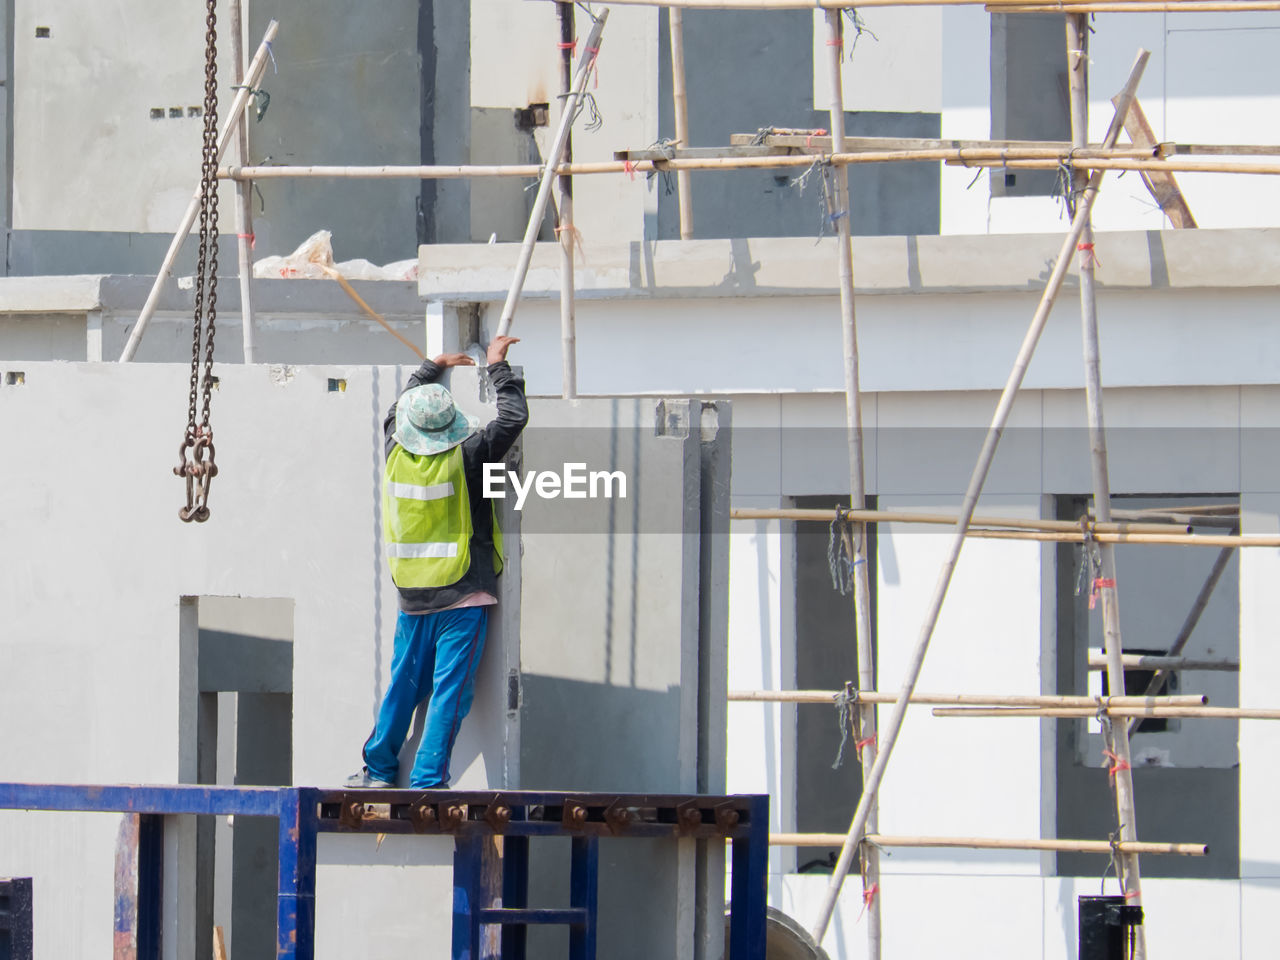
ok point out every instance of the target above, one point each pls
(490, 878)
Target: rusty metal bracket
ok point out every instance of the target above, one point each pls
(498, 814)
(423, 816)
(451, 816)
(727, 816)
(351, 813)
(688, 817)
(573, 816)
(618, 817)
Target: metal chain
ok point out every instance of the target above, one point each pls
(196, 454)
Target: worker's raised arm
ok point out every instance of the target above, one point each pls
(513, 412)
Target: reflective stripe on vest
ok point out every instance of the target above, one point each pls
(414, 491)
(422, 551)
(426, 518)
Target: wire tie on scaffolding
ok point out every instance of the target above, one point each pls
(1113, 866)
(839, 563)
(261, 100)
(846, 717)
(859, 28)
(1064, 184)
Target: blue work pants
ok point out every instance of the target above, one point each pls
(436, 656)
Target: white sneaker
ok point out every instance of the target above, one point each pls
(364, 780)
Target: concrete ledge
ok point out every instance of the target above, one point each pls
(396, 299)
(798, 266)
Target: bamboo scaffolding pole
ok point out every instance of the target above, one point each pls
(1045, 160)
(889, 734)
(1141, 713)
(1127, 865)
(1163, 187)
(566, 231)
(1189, 624)
(949, 519)
(350, 291)
(1206, 6)
(1190, 539)
(854, 535)
(680, 102)
(586, 63)
(1106, 163)
(1048, 536)
(829, 697)
(252, 76)
(818, 143)
(1206, 509)
(990, 4)
(1051, 155)
(1179, 519)
(244, 193)
(1136, 661)
(990, 843)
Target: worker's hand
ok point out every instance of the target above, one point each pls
(453, 360)
(498, 347)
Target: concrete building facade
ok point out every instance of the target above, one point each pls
(744, 319)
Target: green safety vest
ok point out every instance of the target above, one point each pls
(426, 519)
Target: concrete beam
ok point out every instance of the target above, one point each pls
(797, 266)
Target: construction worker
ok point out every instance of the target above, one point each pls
(444, 548)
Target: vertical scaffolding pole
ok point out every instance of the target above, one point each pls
(1105, 584)
(871, 784)
(680, 103)
(568, 236)
(586, 63)
(244, 192)
(843, 214)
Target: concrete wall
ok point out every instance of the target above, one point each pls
(771, 76)
(348, 91)
(93, 640)
(607, 709)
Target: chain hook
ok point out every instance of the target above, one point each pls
(196, 453)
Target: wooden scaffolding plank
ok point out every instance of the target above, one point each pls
(1163, 186)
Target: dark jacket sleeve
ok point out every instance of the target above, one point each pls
(497, 436)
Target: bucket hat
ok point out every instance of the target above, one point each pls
(427, 421)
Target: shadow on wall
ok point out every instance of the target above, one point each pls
(580, 719)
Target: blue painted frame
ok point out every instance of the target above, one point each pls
(15, 917)
(491, 854)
